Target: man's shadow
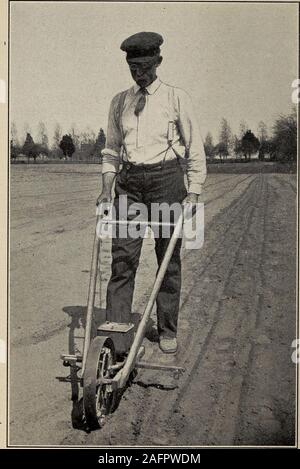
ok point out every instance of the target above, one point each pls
(77, 325)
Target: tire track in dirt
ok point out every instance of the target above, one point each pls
(231, 337)
(271, 419)
(48, 237)
(193, 364)
(207, 410)
(221, 181)
(216, 240)
(283, 182)
(62, 208)
(232, 211)
(66, 193)
(149, 415)
(226, 192)
(147, 397)
(47, 194)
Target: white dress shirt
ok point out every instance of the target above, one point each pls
(165, 129)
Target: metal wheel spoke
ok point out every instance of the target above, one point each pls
(97, 400)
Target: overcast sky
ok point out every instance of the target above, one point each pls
(235, 60)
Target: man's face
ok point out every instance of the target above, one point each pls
(143, 73)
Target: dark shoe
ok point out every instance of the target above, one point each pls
(152, 335)
(168, 344)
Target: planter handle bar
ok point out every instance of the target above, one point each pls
(91, 297)
(139, 336)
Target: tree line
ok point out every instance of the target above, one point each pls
(84, 146)
(280, 145)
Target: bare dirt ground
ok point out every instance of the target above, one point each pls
(237, 319)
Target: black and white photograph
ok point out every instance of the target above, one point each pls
(151, 224)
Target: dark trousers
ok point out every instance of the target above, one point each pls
(146, 185)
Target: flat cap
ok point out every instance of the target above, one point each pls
(142, 44)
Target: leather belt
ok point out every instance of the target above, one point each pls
(149, 167)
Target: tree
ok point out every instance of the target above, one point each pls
(87, 143)
(262, 132)
(243, 129)
(13, 150)
(237, 147)
(87, 137)
(284, 139)
(30, 149)
(14, 142)
(209, 146)
(26, 130)
(42, 135)
(75, 137)
(56, 140)
(249, 144)
(225, 139)
(222, 151)
(67, 146)
(265, 148)
(14, 134)
(99, 144)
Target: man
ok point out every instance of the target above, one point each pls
(155, 127)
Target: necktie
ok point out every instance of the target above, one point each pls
(141, 102)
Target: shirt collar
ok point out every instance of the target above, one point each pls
(151, 88)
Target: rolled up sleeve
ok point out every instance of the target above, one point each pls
(196, 160)
(111, 153)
